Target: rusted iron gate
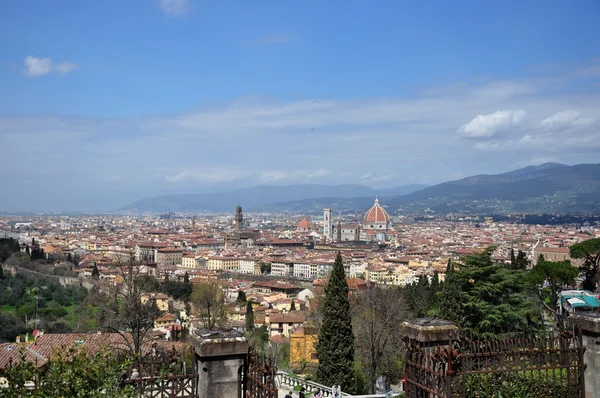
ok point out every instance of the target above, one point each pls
(259, 377)
(166, 374)
(544, 367)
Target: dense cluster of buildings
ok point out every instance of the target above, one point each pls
(280, 262)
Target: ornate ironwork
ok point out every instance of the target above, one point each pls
(182, 386)
(541, 366)
(165, 373)
(259, 378)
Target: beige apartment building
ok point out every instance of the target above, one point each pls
(217, 263)
(193, 261)
(250, 266)
(169, 257)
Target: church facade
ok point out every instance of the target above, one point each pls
(376, 226)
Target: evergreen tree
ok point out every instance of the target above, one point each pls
(589, 251)
(69, 258)
(1, 272)
(95, 272)
(487, 297)
(241, 297)
(335, 346)
(449, 296)
(541, 258)
(548, 279)
(186, 278)
(433, 289)
(249, 317)
(513, 259)
(27, 250)
(521, 261)
(293, 306)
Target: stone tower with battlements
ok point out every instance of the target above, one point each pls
(239, 219)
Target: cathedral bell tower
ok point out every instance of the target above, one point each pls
(327, 224)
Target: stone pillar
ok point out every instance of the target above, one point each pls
(422, 337)
(590, 329)
(427, 332)
(220, 360)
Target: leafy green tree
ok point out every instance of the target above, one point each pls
(249, 317)
(548, 278)
(335, 346)
(95, 272)
(70, 373)
(589, 251)
(293, 306)
(265, 268)
(486, 297)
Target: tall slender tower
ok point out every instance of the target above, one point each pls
(239, 218)
(327, 224)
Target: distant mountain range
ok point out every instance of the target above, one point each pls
(256, 198)
(548, 188)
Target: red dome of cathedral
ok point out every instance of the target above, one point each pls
(376, 214)
(304, 224)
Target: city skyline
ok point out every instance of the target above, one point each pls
(106, 103)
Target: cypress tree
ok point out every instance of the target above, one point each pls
(335, 347)
(1, 272)
(521, 261)
(69, 258)
(27, 250)
(293, 306)
(249, 317)
(513, 259)
(95, 272)
(186, 278)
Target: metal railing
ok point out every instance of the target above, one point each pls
(284, 379)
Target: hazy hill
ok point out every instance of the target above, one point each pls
(257, 197)
(548, 188)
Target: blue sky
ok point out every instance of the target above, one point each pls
(104, 102)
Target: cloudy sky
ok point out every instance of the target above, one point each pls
(105, 102)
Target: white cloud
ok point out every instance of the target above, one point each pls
(205, 176)
(176, 8)
(36, 67)
(377, 177)
(567, 119)
(485, 126)
(561, 118)
(317, 174)
(65, 67)
(382, 142)
(274, 176)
